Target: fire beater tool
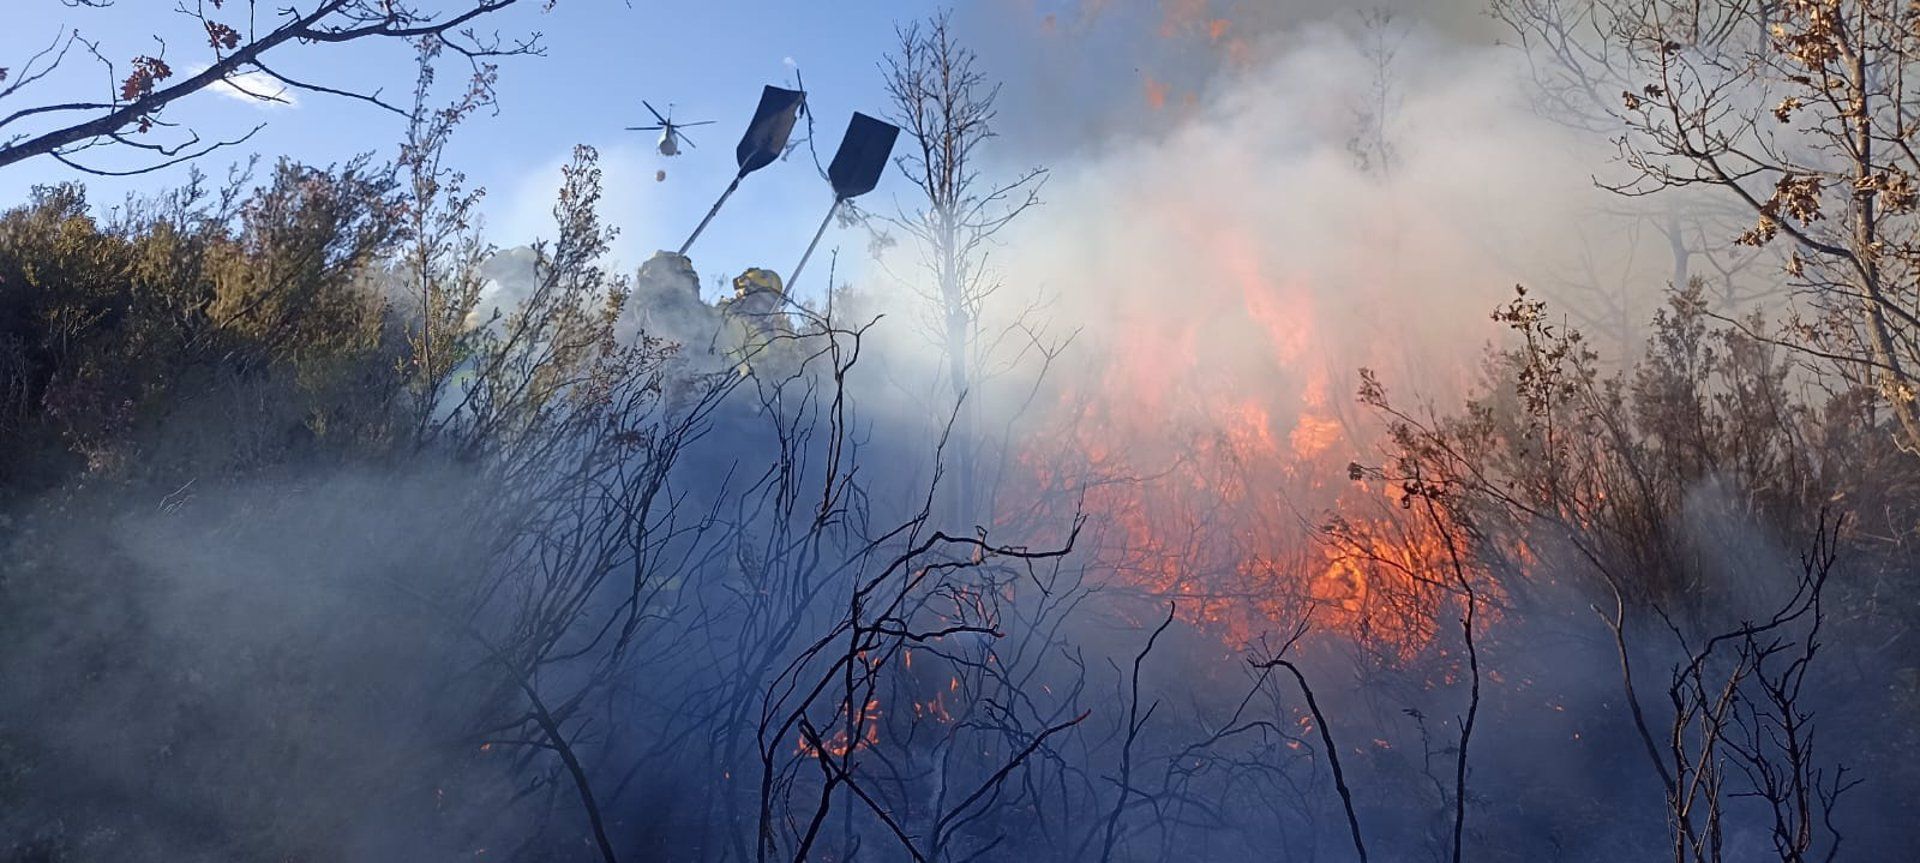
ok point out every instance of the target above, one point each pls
(855, 170)
(765, 140)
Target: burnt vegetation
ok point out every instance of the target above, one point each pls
(329, 530)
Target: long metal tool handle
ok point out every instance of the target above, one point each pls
(715, 209)
(795, 277)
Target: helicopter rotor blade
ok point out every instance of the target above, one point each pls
(683, 137)
(655, 113)
(700, 123)
(645, 128)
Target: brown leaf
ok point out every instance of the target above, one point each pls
(147, 71)
(221, 36)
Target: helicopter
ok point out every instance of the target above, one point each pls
(670, 134)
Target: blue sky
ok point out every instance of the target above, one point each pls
(1080, 75)
(708, 57)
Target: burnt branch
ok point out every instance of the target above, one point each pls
(1326, 736)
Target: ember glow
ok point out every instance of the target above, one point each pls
(860, 730)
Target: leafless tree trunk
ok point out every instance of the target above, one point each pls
(946, 104)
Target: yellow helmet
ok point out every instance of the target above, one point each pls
(755, 280)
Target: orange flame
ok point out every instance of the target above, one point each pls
(1211, 451)
(866, 735)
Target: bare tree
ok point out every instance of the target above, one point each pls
(1371, 143)
(241, 37)
(942, 99)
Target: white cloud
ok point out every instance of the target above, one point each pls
(255, 88)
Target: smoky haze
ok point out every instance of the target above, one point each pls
(1313, 191)
(1106, 549)
(1113, 62)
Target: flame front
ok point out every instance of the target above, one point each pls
(1214, 458)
